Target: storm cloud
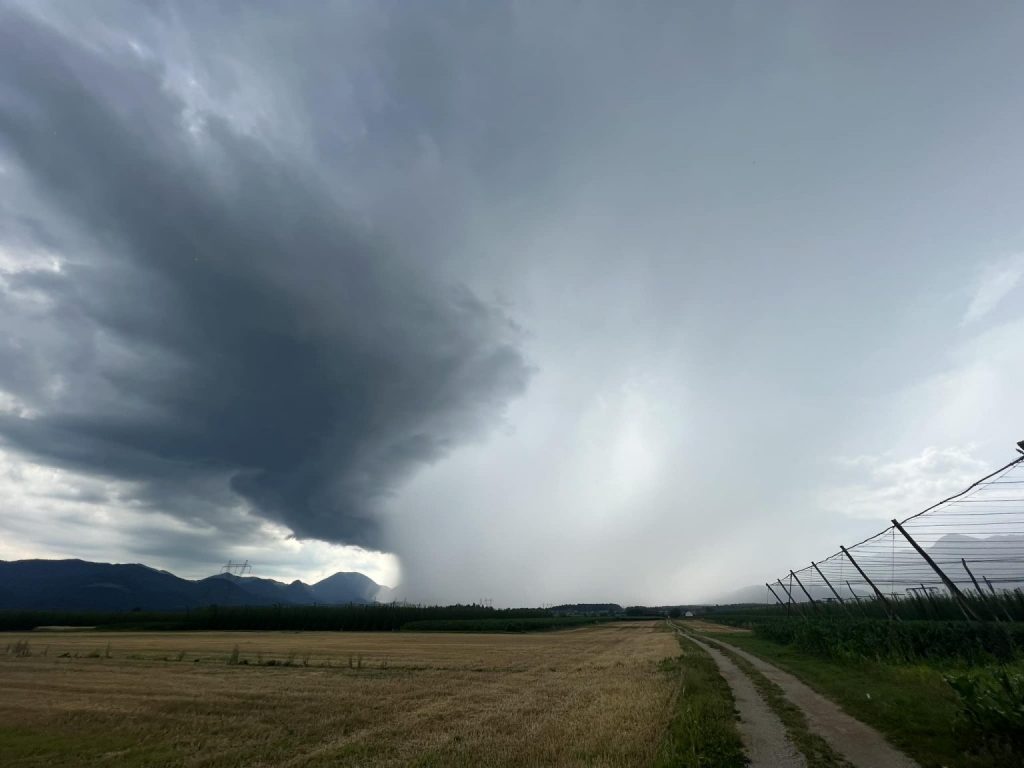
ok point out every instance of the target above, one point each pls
(213, 319)
(548, 302)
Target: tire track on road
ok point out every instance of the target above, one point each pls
(762, 732)
(858, 743)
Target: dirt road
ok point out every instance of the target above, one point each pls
(763, 734)
(857, 743)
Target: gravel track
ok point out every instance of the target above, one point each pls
(857, 742)
(763, 734)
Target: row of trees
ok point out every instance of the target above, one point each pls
(363, 618)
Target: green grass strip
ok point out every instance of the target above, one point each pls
(702, 732)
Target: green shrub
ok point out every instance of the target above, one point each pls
(896, 641)
(992, 711)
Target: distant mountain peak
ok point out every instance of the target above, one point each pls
(80, 585)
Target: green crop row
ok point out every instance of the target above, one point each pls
(895, 641)
(1005, 606)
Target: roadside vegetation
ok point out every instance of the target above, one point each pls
(947, 692)
(832, 635)
(702, 732)
(1006, 606)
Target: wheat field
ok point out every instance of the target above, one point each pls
(596, 696)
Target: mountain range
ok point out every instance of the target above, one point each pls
(78, 585)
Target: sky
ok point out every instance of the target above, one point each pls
(527, 302)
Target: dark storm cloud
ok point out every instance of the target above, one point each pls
(744, 242)
(217, 321)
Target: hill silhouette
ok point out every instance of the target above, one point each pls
(79, 585)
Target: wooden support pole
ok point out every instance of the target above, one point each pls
(857, 598)
(878, 592)
(965, 608)
(996, 599)
(803, 587)
(855, 595)
(829, 583)
(990, 587)
(981, 593)
(930, 599)
(788, 595)
(977, 586)
(916, 594)
(773, 593)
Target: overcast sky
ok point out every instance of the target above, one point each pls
(533, 302)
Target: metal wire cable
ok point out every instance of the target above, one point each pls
(973, 539)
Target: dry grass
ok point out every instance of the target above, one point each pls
(590, 697)
(711, 628)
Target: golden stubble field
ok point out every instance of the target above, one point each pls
(592, 696)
